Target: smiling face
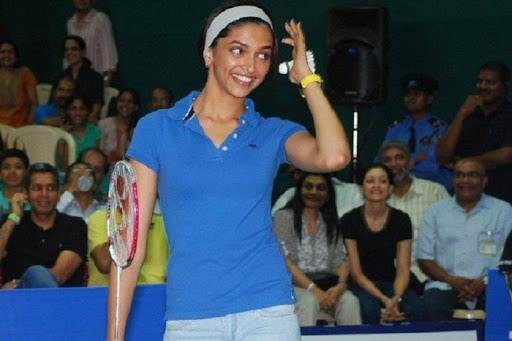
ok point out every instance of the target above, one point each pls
(13, 171)
(7, 55)
(376, 185)
(469, 181)
(73, 53)
(126, 105)
(490, 87)
(77, 112)
(43, 192)
(239, 62)
(398, 162)
(314, 191)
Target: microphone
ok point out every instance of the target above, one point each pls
(285, 67)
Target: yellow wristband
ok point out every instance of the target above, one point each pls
(310, 79)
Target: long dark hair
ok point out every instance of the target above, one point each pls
(328, 210)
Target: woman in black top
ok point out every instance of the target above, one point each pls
(378, 239)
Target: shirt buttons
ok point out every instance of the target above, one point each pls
(235, 135)
(224, 148)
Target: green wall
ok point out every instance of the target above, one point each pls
(157, 45)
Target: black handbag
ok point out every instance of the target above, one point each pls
(323, 280)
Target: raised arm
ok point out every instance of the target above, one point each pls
(329, 150)
(146, 182)
(448, 142)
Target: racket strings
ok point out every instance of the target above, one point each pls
(122, 215)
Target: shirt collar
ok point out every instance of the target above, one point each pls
(182, 108)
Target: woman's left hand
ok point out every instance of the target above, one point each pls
(297, 40)
(336, 291)
(391, 312)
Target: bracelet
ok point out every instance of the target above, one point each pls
(310, 79)
(310, 286)
(16, 283)
(14, 217)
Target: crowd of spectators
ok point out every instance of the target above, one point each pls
(412, 240)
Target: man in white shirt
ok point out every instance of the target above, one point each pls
(410, 194)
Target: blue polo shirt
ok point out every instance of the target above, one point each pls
(216, 208)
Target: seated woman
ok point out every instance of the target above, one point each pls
(114, 129)
(308, 230)
(89, 82)
(18, 98)
(378, 240)
(78, 198)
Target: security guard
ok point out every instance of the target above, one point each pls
(420, 129)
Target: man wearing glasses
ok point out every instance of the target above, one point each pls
(42, 248)
(459, 239)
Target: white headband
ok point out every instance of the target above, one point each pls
(230, 15)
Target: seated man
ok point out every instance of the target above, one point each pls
(54, 113)
(42, 248)
(411, 195)
(482, 129)
(506, 260)
(459, 240)
(157, 251)
(99, 163)
(80, 188)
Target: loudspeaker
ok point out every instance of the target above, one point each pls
(356, 68)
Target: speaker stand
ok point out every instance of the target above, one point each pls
(355, 147)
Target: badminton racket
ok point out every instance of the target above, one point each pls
(122, 222)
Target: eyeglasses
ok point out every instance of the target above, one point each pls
(471, 175)
(40, 188)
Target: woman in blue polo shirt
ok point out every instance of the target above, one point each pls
(213, 158)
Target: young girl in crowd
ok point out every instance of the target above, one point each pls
(85, 134)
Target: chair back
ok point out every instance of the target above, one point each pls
(108, 94)
(6, 130)
(40, 143)
(43, 91)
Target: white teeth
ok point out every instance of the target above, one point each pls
(243, 78)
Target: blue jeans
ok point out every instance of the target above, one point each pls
(274, 323)
(440, 303)
(412, 305)
(38, 276)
